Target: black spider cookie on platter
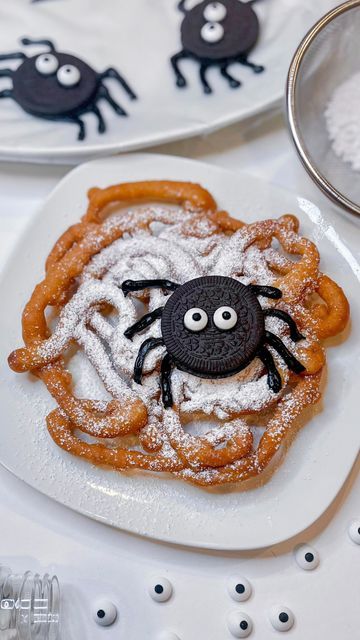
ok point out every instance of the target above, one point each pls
(217, 34)
(212, 327)
(60, 86)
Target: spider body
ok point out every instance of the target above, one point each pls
(212, 327)
(217, 34)
(60, 86)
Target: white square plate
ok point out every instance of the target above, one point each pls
(318, 461)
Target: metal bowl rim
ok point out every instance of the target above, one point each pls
(291, 86)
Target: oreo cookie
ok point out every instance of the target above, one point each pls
(212, 326)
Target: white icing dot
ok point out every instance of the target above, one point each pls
(307, 557)
(195, 319)
(281, 618)
(168, 635)
(160, 589)
(239, 624)
(212, 32)
(46, 64)
(225, 318)
(104, 612)
(68, 75)
(215, 12)
(354, 531)
(239, 588)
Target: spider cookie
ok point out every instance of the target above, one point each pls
(60, 86)
(183, 313)
(217, 34)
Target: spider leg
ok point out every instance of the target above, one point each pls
(267, 292)
(273, 378)
(257, 68)
(181, 6)
(165, 381)
(174, 60)
(81, 124)
(286, 355)
(104, 93)
(295, 334)
(147, 345)
(204, 82)
(6, 73)
(113, 73)
(144, 322)
(13, 56)
(6, 93)
(101, 122)
(232, 81)
(47, 43)
(139, 285)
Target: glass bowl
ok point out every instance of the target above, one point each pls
(328, 55)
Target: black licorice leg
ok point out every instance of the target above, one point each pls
(13, 56)
(139, 285)
(181, 6)
(147, 345)
(113, 73)
(6, 93)
(101, 122)
(6, 73)
(273, 377)
(165, 381)
(144, 322)
(231, 80)
(295, 334)
(105, 94)
(174, 60)
(204, 82)
(267, 292)
(47, 43)
(257, 68)
(286, 355)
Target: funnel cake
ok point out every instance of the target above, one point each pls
(188, 316)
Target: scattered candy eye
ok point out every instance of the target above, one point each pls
(225, 318)
(68, 75)
(239, 624)
(215, 12)
(281, 618)
(105, 613)
(160, 589)
(307, 557)
(195, 319)
(46, 64)
(212, 32)
(354, 531)
(239, 588)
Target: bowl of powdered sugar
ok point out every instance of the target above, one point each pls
(323, 104)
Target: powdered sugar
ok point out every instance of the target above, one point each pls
(342, 121)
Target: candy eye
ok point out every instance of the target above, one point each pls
(46, 64)
(68, 75)
(195, 319)
(239, 624)
(215, 12)
(105, 613)
(281, 618)
(212, 32)
(354, 531)
(225, 318)
(307, 557)
(160, 589)
(239, 588)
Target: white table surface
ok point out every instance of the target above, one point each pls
(36, 533)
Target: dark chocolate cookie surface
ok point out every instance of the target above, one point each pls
(212, 326)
